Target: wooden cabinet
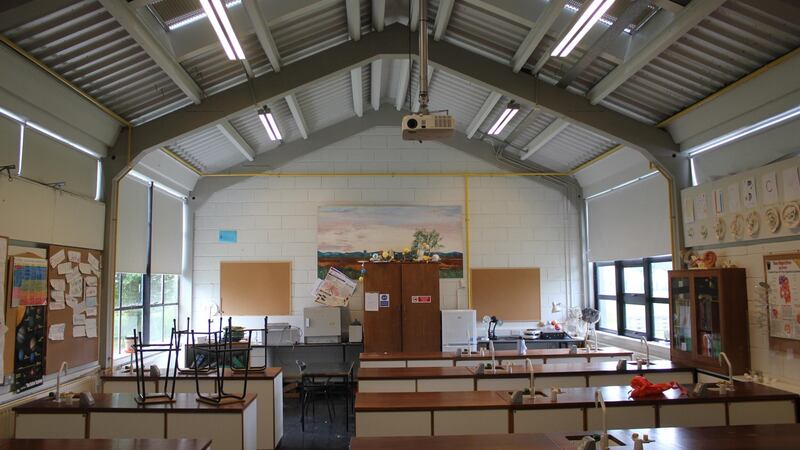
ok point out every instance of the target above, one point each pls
(412, 320)
(708, 315)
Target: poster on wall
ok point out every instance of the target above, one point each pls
(28, 281)
(791, 184)
(769, 188)
(688, 210)
(701, 206)
(783, 278)
(29, 345)
(749, 192)
(733, 198)
(349, 234)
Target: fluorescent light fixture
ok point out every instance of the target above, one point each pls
(693, 172)
(99, 186)
(620, 186)
(590, 16)
(215, 11)
(511, 110)
(268, 120)
(156, 184)
(199, 15)
(744, 131)
(11, 115)
(64, 140)
(21, 147)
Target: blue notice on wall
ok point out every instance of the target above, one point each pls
(227, 236)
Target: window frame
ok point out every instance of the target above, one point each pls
(623, 298)
(145, 307)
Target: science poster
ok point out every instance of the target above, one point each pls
(29, 342)
(783, 277)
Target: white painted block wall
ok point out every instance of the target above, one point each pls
(516, 221)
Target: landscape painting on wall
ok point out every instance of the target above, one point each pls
(349, 234)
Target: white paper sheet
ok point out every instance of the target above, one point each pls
(56, 332)
(85, 268)
(78, 319)
(791, 184)
(57, 305)
(94, 262)
(700, 206)
(73, 277)
(57, 296)
(91, 311)
(57, 259)
(64, 268)
(90, 281)
(58, 284)
(769, 188)
(74, 256)
(371, 301)
(78, 308)
(91, 328)
(71, 302)
(749, 192)
(688, 210)
(91, 302)
(76, 290)
(91, 291)
(79, 331)
(734, 199)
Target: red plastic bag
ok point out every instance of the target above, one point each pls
(642, 387)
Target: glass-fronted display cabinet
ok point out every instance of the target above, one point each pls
(708, 310)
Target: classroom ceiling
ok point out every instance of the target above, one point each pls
(148, 58)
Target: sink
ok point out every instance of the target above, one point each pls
(612, 441)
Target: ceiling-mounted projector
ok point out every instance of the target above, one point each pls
(427, 127)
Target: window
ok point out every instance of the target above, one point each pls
(131, 312)
(633, 297)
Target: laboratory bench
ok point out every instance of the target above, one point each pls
(751, 437)
(448, 359)
(230, 426)
(459, 378)
(481, 412)
(104, 444)
(510, 343)
(267, 384)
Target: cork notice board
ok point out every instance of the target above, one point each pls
(508, 293)
(74, 350)
(255, 288)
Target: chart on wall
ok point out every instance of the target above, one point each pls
(783, 278)
(349, 234)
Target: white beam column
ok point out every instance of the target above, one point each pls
(142, 35)
(375, 83)
(535, 35)
(237, 140)
(415, 108)
(297, 115)
(358, 96)
(378, 14)
(484, 111)
(262, 32)
(413, 21)
(354, 18)
(544, 137)
(442, 18)
(402, 83)
(684, 21)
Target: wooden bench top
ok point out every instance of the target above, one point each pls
(267, 374)
(502, 354)
(753, 437)
(125, 402)
(579, 369)
(104, 444)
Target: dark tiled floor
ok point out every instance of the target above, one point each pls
(321, 433)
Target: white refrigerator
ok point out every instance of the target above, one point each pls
(459, 330)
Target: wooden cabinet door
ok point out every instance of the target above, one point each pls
(383, 330)
(422, 318)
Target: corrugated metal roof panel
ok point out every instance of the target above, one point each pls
(460, 97)
(571, 148)
(735, 40)
(539, 122)
(214, 72)
(327, 102)
(249, 126)
(83, 43)
(484, 32)
(303, 35)
(207, 150)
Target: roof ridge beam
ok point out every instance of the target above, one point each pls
(144, 37)
(684, 21)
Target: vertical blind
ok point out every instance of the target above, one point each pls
(629, 223)
(132, 229)
(9, 141)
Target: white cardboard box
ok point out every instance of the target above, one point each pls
(355, 333)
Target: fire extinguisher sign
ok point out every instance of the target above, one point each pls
(420, 299)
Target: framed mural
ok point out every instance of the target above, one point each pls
(349, 234)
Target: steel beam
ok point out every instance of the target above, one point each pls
(442, 18)
(358, 95)
(297, 114)
(237, 140)
(544, 137)
(535, 35)
(263, 33)
(376, 77)
(353, 18)
(484, 111)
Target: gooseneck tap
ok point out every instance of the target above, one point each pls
(63, 368)
(647, 350)
(598, 400)
(491, 350)
(724, 357)
(529, 366)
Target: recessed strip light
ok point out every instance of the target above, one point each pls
(215, 11)
(744, 131)
(587, 19)
(620, 186)
(511, 110)
(268, 120)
